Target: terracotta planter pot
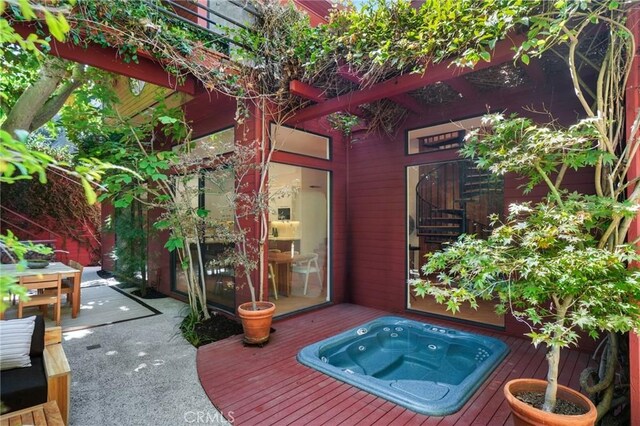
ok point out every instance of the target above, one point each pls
(256, 324)
(525, 414)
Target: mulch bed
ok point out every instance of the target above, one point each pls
(104, 274)
(216, 328)
(536, 399)
(150, 293)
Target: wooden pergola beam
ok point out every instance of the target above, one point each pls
(403, 84)
(108, 59)
(462, 86)
(535, 72)
(404, 100)
(306, 91)
(314, 94)
(407, 102)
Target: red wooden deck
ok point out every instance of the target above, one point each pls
(264, 386)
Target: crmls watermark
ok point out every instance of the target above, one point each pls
(208, 417)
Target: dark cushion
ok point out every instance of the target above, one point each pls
(24, 387)
(37, 340)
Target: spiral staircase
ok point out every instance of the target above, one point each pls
(444, 194)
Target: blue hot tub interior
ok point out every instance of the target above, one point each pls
(430, 369)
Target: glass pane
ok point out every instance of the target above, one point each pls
(214, 189)
(298, 238)
(444, 201)
(218, 200)
(187, 190)
(299, 142)
(209, 146)
(441, 137)
(219, 280)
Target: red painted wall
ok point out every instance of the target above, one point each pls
(633, 109)
(377, 198)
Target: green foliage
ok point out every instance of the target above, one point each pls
(188, 328)
(18, 162)
(342, 122)
(125, 15)
(542, 257)
(26, 9)
(519, 146)
(86, 119)
(64, 207)
(393, 34)
(551, 264)
(130, 251)
(16, 251)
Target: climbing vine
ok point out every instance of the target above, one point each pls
(58, 204)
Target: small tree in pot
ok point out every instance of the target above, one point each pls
(549, 263)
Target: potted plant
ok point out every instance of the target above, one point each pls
(256, 320)
(551, 264)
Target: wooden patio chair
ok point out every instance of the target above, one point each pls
(66, 286)
(67, 283)
(41, 283)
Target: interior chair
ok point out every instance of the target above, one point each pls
(44, 298)
(306, 264)
(272, 277)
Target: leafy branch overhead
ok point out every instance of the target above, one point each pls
(377, 41)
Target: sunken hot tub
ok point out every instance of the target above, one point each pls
(429, 369)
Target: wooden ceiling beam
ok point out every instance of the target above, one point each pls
(403, 84)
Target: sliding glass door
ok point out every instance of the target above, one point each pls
(444, 201)
(298, 245)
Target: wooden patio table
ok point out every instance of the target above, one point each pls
(53, 268)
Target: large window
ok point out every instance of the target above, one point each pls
(444, 201)
(298, 237)
(441, 137)
(298, 142)
(214, 196)
(209, 146)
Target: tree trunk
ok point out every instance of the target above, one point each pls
(40, 102)
(553, 358)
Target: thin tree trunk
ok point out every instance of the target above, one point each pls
(553, 358)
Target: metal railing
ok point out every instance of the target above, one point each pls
(227, 13)
(26, 219)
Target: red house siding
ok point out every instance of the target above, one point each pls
(377, 203)
(633, 108)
